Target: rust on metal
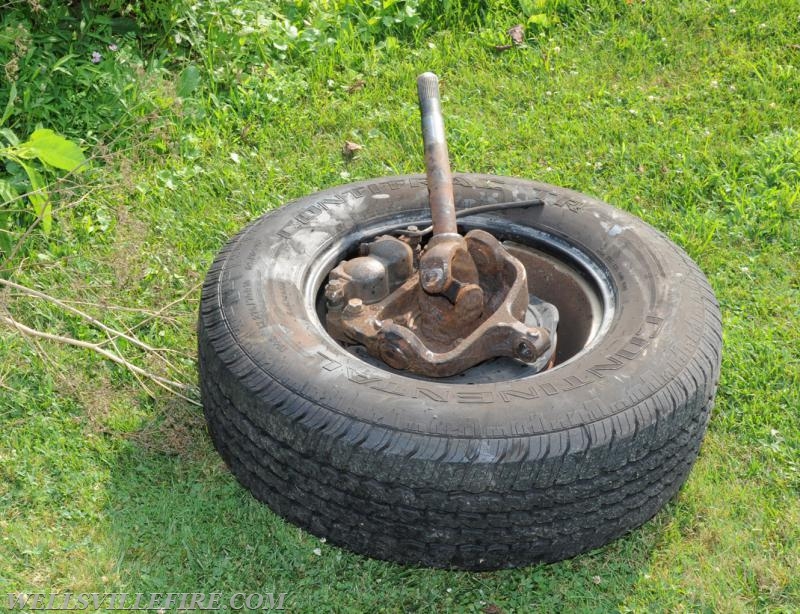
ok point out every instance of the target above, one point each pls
(437, 160)
(440, 309)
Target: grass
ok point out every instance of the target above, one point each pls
(684, 113)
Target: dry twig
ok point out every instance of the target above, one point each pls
(32, 332)
(93, 321)
(112, 334)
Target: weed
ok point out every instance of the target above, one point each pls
(27, 163)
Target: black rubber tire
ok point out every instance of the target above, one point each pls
(479, 476)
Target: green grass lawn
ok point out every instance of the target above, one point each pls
(686, 113)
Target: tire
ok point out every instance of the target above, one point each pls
(476, 476)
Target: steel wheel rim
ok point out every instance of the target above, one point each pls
(578, 267)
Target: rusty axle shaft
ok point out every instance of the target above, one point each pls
(437, 160)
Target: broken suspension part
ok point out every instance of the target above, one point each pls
(440, 309)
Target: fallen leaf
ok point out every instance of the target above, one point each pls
(349, 149)
(517, 34)
(356, 85)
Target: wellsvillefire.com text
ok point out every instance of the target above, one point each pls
(158, 602)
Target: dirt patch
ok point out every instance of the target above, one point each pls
(172, 427)
(176, 430)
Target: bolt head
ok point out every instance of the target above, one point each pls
(432, 279)
(334, 294)
(354, 307)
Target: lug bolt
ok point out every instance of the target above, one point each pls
(354, 307)
(334, 294)
(413, 238)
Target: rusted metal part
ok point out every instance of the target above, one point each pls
(554, 282)
(382, 267)
(396, 328)
(446, 270)
(437, 161)
(438, 310)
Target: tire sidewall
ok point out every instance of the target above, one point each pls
(270, 277)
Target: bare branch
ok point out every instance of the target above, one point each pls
(103, 352)
(135, 375)
(180, 299)
(93, 321)
(147, 312)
